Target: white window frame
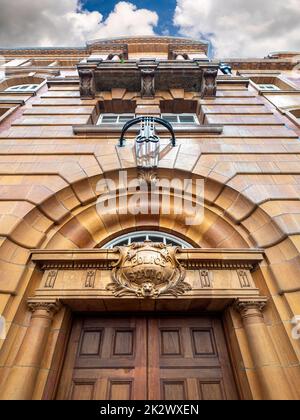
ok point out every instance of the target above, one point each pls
(196, 120)
(23, 88)
(164, 236)
(270, 87)
(118, 117)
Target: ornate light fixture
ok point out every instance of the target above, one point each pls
(147, 143)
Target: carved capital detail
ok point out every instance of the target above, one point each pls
(51, 307)
(87, 83)
(209, 87)
(148, 270)
(248, 307)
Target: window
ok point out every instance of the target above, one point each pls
(114, 118)
(152, 236)
(23, 88)
(181, 118)
(268, 87)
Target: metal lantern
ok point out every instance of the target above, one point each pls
(147, 143)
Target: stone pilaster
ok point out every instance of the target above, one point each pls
(21, 381)
(274, 384)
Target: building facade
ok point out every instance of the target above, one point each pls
(106, 291)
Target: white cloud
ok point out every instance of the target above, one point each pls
(240, 28)
(66, 23)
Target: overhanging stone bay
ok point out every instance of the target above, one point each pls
(148, 76)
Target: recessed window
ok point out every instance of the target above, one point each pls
(181, 118)
(153, 236)
(23, 88)
(114, 118)
(268, 87)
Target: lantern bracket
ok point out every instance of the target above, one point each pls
(147, 131)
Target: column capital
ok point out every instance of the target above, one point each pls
(244, 306)
(49, 306)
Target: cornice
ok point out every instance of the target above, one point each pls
(191, 259)
(87, 129)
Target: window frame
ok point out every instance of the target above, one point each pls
(147, 233)
(24, 88)
(267, 87)
(118, 116)
(178, 115)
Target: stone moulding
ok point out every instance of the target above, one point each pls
(88, 129)
(146, 272)
(190, 259)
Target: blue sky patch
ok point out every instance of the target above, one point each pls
(164, 9)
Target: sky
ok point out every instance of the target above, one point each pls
(234, 28)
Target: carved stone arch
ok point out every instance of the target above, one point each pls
(89, 228)
(66, 217)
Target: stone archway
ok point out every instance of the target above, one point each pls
(67, 219)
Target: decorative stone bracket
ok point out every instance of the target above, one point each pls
(148, 69)
(209, 86)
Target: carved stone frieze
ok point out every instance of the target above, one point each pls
(243, 278)
(50, 280)
(90, 279)
(206, 279)
(148, 270)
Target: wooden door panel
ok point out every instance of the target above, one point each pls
(108, 361)
(189, 358)
(156, 358)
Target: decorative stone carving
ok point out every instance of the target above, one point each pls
(243, 278)
(209, 87)
(206, 279)
(50, 307)
(90, 279)
(87, 84)
(250, 307)
(148, 270)
(50, 280)
(148, 83)
(148, 175)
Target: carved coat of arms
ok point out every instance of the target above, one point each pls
(148, 270)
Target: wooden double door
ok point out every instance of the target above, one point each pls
(147, 358)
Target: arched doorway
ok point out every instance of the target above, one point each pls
(80, 231)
